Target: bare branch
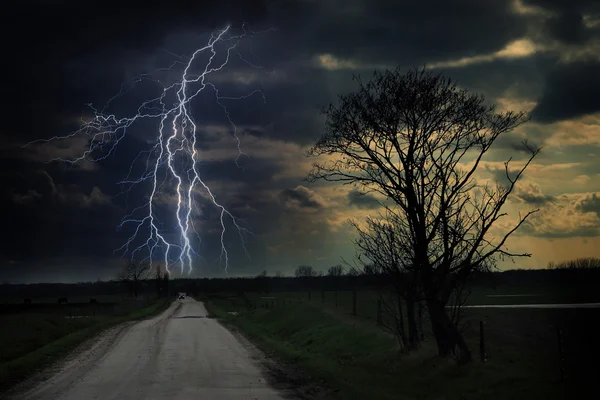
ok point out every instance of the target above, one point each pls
(406, 136)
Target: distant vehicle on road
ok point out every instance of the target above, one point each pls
(181, 296)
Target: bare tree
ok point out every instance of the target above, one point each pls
(305, 271)
(382, 249)
(353, 271)
(133, 272)
(263, 282)
(336, 270)
(263, 274)
(417, 139)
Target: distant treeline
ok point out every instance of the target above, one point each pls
(579, 263)
(263, 283)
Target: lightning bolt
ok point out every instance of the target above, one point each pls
(173, 154)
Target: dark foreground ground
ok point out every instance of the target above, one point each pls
(35, 335)
(356, 359)
(325, 351)
(177, 355)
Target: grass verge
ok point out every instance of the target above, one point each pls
(18, 369)
(361, 363)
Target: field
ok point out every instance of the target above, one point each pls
(356, 358)
(38, 333)
(312, 329)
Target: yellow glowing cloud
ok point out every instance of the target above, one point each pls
(520, 48)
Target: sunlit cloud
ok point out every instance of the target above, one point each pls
(518, 49)
(520, 8)
(332, 63)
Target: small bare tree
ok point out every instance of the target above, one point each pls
(305, 271)
(417, 140)
(336, 270)
(132, 273)
(262, 281)
(386, 254)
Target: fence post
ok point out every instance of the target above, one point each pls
(561, 353)
(421, 330)
(378, 312)
(482, 353)
(354, 302)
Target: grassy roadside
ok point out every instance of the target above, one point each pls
(358, 363)
(299, 334)
(15, 370)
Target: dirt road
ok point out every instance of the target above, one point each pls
(177, 355)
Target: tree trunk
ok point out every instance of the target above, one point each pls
(421, 308)
(135, 288)
(400, 333)
(447, 336)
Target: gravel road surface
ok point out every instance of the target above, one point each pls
(180, 354)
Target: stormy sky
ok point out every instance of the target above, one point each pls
(60, 221)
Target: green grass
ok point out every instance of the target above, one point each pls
(357, 360)
(103, 298)
(29, 332)
(33, 341)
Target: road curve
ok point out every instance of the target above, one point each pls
(177, 355)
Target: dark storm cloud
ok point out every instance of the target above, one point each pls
(62, 47)
(571, 90)
(253, 172)
(568, 27)
(591, 204)
(535, 199)
(109, 29)
(362, 200)
(301, 197)
(64, 56)
(400, 32)
(514, 143)
(77, 223)
(289, 110)
(499, 174)
(529, 229)
(567, 20)
(523, 76)
(376, 33)
(26, 198)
